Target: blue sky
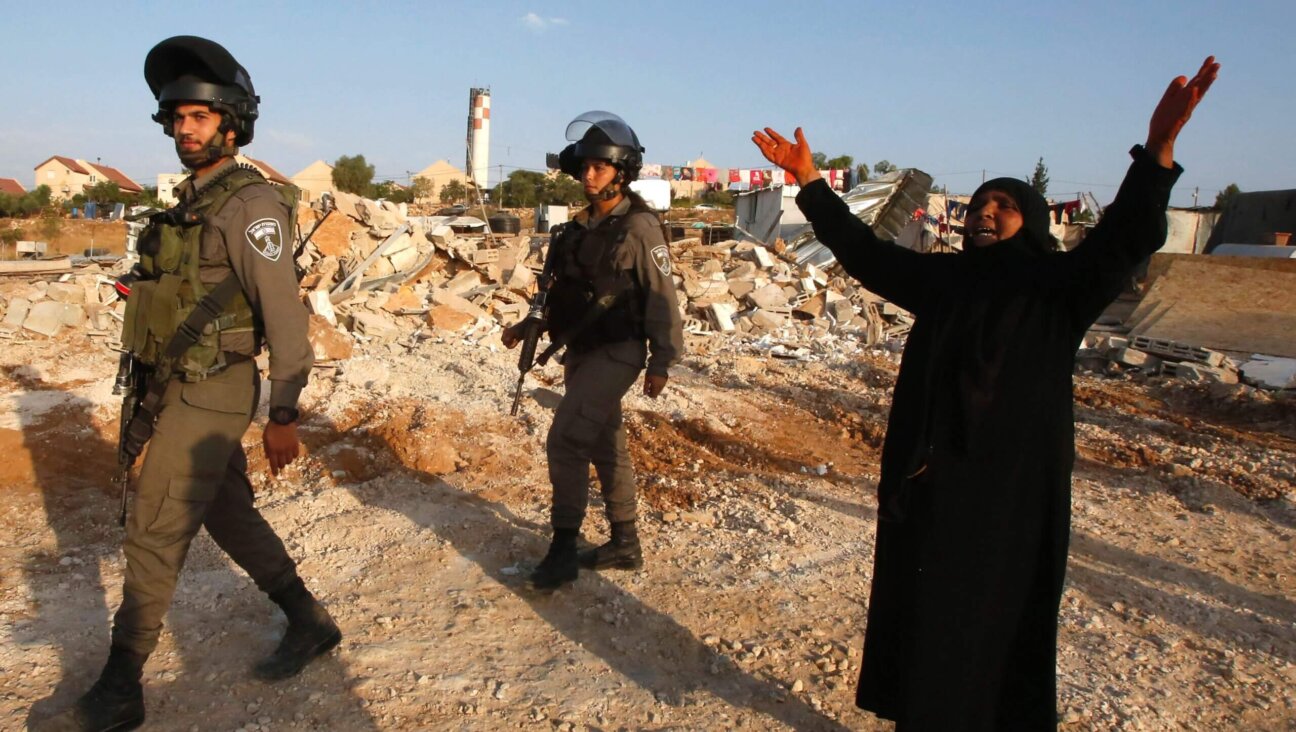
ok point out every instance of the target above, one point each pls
(952, 88)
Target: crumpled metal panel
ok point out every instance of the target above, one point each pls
(887, 204)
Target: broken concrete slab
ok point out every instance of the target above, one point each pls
(744, 271)
(376, 326)
(403, 299)
(741, 288)
(1137, 359)
(15, 314)
(769, 296)
(1190, 371)
(812, 307)
(1270, 372)
(46, 317)
(762, 257)
(441, 296)
(1178, 351)
(319, 304)
(444, 317)
(767, 319)
(463, 282)
(721, 315)
(327, 342)
(66, 292)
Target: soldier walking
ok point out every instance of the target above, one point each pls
(612, 305)
(217, 282)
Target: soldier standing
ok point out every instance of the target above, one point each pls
(226, 250)
(612, 305)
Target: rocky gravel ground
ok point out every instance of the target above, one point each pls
(420, 506)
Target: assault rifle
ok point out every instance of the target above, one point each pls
(536, 320)
(130, 384)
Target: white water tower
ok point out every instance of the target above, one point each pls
(478, 135)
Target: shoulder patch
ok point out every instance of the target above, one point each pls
(266, 238)
(661, 258)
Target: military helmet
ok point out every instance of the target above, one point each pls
(604, 136)
(193, 69)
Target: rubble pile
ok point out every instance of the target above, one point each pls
(371, 275)
(759, 295)
(1111, 354)
(84, 300)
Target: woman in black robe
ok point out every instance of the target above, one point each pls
(974, 501)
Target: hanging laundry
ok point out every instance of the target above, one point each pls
(674, 172)
(734, 175)
(650, 170)
(686, 174)
(755, 177)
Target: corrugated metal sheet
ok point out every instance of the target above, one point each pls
(887, 204)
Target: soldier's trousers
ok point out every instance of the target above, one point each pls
(587, 428)
(195, 475)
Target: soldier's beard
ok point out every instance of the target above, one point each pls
(207, 154)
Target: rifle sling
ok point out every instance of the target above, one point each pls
(209, 308)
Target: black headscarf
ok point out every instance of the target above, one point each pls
(1034, 210)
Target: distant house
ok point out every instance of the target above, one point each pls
(272, 175)
(439, 174)
(166, 182)
(66, 177)
(313, 180)
(11, 187)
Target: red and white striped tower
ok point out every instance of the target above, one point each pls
(478, 135)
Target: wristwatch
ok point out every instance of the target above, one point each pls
(284, 415)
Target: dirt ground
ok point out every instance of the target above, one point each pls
(421, 505)
(74, 236)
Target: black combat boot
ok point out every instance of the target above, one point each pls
(558, 566)
(311, 633)
(114, 704)
(622, 552)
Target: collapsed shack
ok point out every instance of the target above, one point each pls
(373, 275)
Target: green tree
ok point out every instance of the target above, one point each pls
(521, 189)
(420, 189)
(721, 197)
(1226, 196)
(10, 237)
(353, 175)
(861, 172)
(882, 167)
(563, 190)
(1039, 179)
(105, 193)
(392, 191)
(841, 162)
(820, 160)
(453, 192)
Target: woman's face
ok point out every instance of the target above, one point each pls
(993, 216)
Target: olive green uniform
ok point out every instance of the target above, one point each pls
(600, 369)
(195, 471)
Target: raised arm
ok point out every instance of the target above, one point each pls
(1134, 225)
(900, 275)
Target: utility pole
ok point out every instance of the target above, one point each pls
(1195, 190)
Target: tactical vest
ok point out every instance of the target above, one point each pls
(592, 302)
(171, 288)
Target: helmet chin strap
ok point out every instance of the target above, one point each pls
(607, 192)
(214, 150)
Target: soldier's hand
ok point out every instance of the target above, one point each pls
(653, 385)
(281, 445)
(512, 335)
(793, 156)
